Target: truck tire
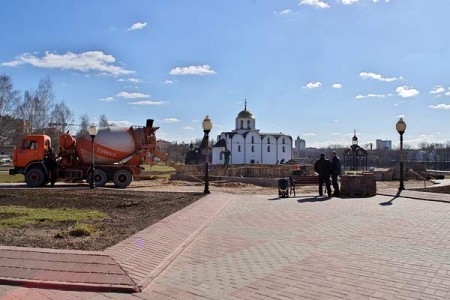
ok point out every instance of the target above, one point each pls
(35, 177)
(100, 178)
(122, 179)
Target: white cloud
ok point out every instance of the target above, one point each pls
(189, 127)
(438, 89)
(336, 86)
(313, 85)
(309, 134)
(373, 96)
(147, 102)
(193, 70)
(107, 99)
(95, 61)
(132, 95)
(168, 81)
(170, 120)
(137, 26)
(315, 3)
(366, 75)
(134, 80)
(440, 106)
(348, 2)
(286, 11)
(123, 123)
(407, 92)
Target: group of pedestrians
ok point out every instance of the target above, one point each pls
(326, 168)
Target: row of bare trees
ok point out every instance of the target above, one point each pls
(38, 108)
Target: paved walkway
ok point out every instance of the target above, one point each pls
(259, 247)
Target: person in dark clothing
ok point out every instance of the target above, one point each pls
(50, 159)
(323, 168)
(335, 172)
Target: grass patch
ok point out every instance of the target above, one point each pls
(6, 178)
(17, 216)
(81, 229)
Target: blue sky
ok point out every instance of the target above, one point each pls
(319, 69)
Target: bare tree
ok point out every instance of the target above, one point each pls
(45, 104)
(9, 98)
(103, 122)
(61, 116)
(84, 124)
(27, 109)
(37, 106)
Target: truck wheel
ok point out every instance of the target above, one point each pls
(100, 178)
(35, 177)
(122, 178)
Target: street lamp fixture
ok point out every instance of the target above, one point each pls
(92, 132)
(401, 127)
(207, 126)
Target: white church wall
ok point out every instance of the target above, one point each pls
(238, 150)
(269, 150)
(245, 124)
(284, 148)
(217, 156)
(253, 148)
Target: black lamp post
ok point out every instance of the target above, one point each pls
(401, 127)
(207, 126)
(92, 132)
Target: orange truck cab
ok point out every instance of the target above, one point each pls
(29, 159)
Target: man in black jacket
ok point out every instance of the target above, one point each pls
(323, 168)
(335, 172)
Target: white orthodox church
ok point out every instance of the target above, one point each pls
(246, 145)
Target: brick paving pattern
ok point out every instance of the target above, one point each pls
(255, 247)
(62, 269)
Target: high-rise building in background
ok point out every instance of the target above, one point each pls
(384, 144)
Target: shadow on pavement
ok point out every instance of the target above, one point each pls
(387, 203)
(314, 199)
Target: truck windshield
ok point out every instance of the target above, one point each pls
(29, 145)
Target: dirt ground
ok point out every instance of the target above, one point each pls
(129, 211)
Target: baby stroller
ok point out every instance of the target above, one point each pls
(283, 188)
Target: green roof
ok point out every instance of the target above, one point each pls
(245, 114)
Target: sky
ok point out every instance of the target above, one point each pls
(318, 69)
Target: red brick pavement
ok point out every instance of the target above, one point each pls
(126, 267)
(84, 270)
(383, 247)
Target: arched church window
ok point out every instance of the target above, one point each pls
(248, 124)
(239, 148)
(283, 141)
(284, 150)
(253, 139)
(242, 124)
(253, 148)
(268, 140)
(268, 148)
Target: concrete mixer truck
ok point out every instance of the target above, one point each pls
(118, 156)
